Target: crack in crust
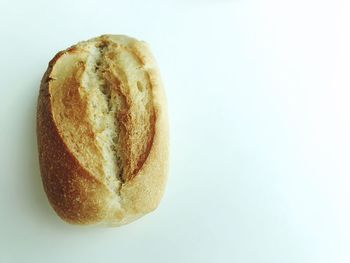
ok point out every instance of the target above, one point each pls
(106, 111)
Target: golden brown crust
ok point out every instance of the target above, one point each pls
(63, 178)
(78, 194)
(132, 163)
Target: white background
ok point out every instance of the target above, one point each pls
(259, 107)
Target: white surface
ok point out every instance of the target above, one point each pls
(258, 97)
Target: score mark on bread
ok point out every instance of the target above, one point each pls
(102, 132)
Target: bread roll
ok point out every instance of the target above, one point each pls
(102, 132)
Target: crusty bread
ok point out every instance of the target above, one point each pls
(102, 132)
